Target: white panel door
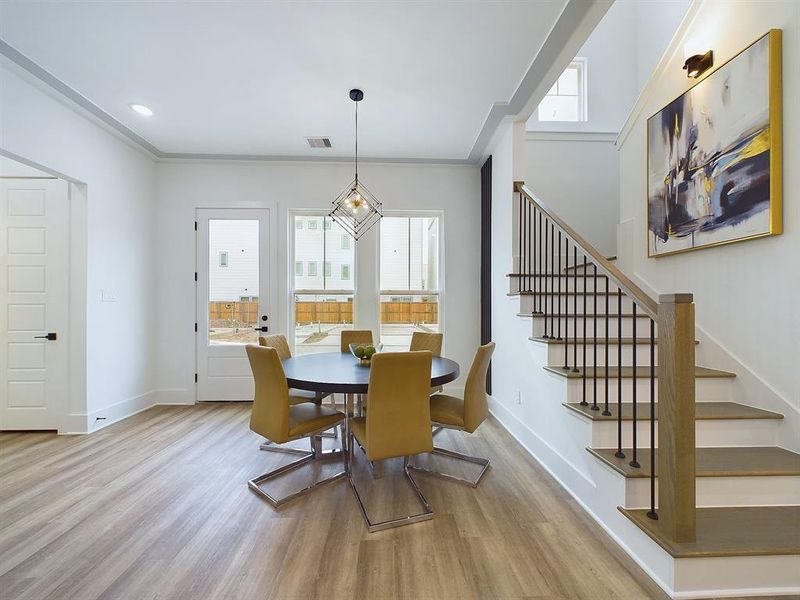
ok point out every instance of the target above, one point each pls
(233, 293)
(34, 246)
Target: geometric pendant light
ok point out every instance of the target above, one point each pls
(356, 209)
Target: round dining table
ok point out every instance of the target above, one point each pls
(342, 373)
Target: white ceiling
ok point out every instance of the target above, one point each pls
(255, 78)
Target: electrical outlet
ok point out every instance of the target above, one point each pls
(518, 397)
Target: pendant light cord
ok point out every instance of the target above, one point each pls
(356, 142)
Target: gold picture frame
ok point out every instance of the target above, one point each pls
(693, 186)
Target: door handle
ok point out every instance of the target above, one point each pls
(261, 328)
(49, 336)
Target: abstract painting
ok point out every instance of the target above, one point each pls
(714, 156)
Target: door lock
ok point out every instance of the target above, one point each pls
(49, 336)
(261, 328)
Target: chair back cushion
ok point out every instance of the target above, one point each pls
(398, 409)
(277, 341)
(355, 336)
(270, 414)
(476, 407)
(421, 340)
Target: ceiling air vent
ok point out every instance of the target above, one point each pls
(319, 142)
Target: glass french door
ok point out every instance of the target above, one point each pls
(233, 294)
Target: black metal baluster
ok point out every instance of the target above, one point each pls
(520, 264)
(544, 272)
(585, 318)
(634, 463)
(539, 267)
(554, 316)
(606, 412)
(652, 512)
(532, 254)
(619, 453)
(560, 275)
(527, 249)
(574, 308)
(594, 338)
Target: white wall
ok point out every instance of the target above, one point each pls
(117, 219)
(746, 294)
(579, 180)
(185, 186)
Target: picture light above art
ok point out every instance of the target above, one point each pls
(714, 156)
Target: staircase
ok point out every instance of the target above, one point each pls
(722, 513)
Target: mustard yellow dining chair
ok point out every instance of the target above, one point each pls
(422, 340)
(451, 412)
(275, 417)
(355, 336)
(398, 423)
(278, 341)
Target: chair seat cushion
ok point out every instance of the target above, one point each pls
(299, 396)
(305, 418)
(447, 410)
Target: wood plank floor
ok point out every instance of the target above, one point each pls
(156, 507)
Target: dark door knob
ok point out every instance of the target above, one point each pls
(261, 328)
(49, 336)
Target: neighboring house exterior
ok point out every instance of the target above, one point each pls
(232, 260)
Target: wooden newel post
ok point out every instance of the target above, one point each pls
(676, 424)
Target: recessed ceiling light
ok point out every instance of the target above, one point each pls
(141, 109)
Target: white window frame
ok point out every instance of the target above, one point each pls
(579, 63)
(440, 292)
(292, 214)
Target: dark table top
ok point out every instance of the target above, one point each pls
(340, 372)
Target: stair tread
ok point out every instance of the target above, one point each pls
(731, 531)
(548, 274)
(703, 411)
(627, 372)
(600, 340)
(528, 315)
(740, 461)
(562, 293)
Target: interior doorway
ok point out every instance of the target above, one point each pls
(34, 301)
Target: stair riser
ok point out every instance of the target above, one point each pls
(555, 355)
(526, 303)
(708, 433)
(568, 326)
(707, 389)
(725, 491)
(567, 284)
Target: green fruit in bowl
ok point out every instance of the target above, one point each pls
(369, 351)
(360, 351)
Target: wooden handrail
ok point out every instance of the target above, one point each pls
(642, 299)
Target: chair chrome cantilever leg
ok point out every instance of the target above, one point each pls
(316, 454)
(426, 515)
(484, 462)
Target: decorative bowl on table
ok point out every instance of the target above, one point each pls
(364, 352)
